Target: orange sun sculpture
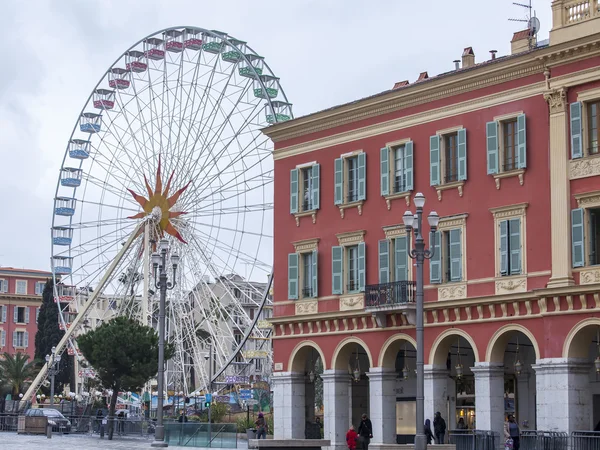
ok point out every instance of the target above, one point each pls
(159, 203)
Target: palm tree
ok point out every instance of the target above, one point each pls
(16, 371)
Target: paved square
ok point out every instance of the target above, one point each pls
(14, 441)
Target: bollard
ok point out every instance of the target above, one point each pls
(49, 431)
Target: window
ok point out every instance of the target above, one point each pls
(393, 258)
(20, 339)
(350, 179)
(396, 168)
(302, 270)
(510, 247)
(448, 157)
(506, 143)
(37, 314)
(39, 287)
(509, 238)
(585, 233)
(585, 124)
(21, 287)
(2, 338)
(3, 310)
(3, 285)
(21, 314)
(348, 264)
(304, 188)
(446, 264)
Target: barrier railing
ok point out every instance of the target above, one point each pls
(543, 440)
(474, 439)
(585, 440)
(222, 435)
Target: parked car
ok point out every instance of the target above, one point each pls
(55, 418)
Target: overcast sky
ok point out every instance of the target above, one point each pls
(326, 52)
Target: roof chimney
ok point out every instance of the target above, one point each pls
(400, 84)
(423, 76)
(456, 64)
(468, 57)
(493, 53)
(520, 42)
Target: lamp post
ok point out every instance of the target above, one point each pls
(53, 362)
(413, 222)
(209, 358)
(159, 263)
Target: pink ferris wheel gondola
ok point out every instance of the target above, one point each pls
(153, 50)
(174, 41)
(104, 99)
(135, 61)
(192, 39)
(117, 78)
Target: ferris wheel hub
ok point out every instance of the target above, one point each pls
(156, 214)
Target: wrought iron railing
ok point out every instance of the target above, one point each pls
(543, 440)
(474, 439)
(585, 440)
(389, 294)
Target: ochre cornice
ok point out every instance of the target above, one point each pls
(462, 81)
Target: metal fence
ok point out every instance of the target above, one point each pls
(222, 435)
(474, 439)
(543, 440)
(585, 440)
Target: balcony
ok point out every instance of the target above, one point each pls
(573, 19)
(384, 298)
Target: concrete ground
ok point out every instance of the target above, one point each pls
(14, 441)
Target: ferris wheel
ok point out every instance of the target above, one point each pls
(168, 150)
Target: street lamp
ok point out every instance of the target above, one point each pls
(413, 222)
(159, 264)
(53, 363)
(209, 358)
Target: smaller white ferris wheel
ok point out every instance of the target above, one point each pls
(169, 146)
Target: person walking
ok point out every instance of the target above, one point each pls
(365, 432)
(512, 432)
(439, 427)
(428, 432)
(351, 437)
(261, 426)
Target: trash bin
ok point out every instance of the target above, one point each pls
(251, 432)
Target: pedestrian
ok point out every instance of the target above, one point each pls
(351, 437)
(261, 426)
(439, 427)
(365, 432)
(512, 432)
(428, 432)
(461, 425)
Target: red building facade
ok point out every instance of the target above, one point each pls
(20, 302)
(506, 152)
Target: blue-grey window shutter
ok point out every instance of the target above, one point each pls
(384, 261)
(293, 276)
(434, 160)
(2, 338)
(26, 339)
(385, 170)
(15, 314)
(362, 176)
(491, 131)
(339, 182)
(408, 166)
(576, 127)
(577, 237)
(455, 255)
(401, 258)
(315, 176)
(435, 263)
(504, 247)
(293, 191)
(337, 265)
(515, 246)
(521, 142)
(315, 280)
(14, 340)
(462, 154)
(4, 308)
(361, 267)
(27, 314)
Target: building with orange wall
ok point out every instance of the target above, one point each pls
(20, 302)
(506, 151)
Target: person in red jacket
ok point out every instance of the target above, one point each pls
(351, 437)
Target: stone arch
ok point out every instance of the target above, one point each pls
(391, 347)
(497, 345)
(298, 356)
(578, 340)
(342, 352)
(441, 346)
